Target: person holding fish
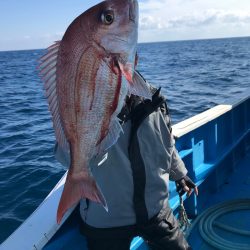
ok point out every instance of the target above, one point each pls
(94, 94)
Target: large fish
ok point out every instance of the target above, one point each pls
(87, 76)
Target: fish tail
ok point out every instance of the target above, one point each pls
(77, 188)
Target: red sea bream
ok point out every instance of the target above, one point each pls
(87, 76)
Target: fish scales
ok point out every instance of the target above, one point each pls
(86, 77)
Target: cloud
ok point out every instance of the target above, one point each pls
(175, 14)
(195, 19)
(243, 18)
(164, 20)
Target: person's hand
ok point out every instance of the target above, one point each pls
(186, 185)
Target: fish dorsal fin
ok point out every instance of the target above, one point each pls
(47, 71)
(112, 136)
(137, 85)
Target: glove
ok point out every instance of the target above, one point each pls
(185, 184)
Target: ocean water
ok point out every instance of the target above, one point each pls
(194, 76)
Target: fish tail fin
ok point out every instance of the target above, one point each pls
(77, 188)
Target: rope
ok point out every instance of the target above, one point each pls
(207, 222)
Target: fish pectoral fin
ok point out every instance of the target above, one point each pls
(111, 138)
(76, 188)
(127, 71)
(140, 87)
(137, 85)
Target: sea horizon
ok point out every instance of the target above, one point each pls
(152, 42)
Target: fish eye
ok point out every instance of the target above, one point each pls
(107, 17)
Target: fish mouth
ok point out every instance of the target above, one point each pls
(133, 10)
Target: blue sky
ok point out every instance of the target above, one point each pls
(28, 24)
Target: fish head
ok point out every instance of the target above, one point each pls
(114, 27)
(111, 26)
(121, 36)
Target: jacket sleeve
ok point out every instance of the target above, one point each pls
(178, 169)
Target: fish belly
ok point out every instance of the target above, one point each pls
(89, 109)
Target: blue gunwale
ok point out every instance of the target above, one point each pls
(215, 147)
(217, 155)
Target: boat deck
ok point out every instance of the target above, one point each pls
(215, 147)
(236, 186)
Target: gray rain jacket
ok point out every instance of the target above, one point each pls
(113, 173)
